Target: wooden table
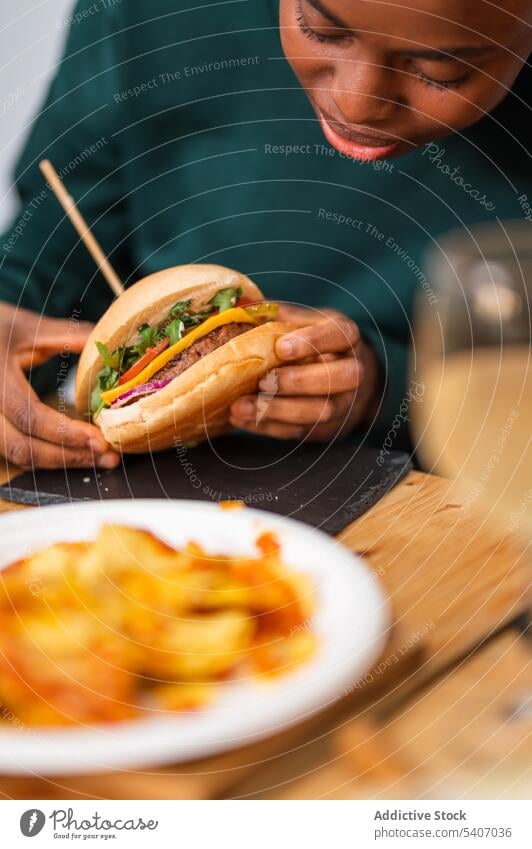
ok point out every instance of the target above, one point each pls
(436, 718)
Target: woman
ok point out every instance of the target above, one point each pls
(320, 152)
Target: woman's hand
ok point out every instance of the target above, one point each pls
(33, 435)
(329, 385)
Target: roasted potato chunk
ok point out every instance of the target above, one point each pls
(98, 631)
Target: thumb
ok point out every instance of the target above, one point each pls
(303, 316)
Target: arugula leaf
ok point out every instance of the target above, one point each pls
(179, 309)
(96, 399)
(179, 320)
(174, 330)
(107, 379)
(192, 319)
(111, 360)
(148, 335)
(189, 319)
(128, 356)
(226, 298)
(182, 310)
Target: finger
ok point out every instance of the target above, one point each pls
(325, 378)
(28, 453)
(48, 336)
(302, 316)
(276, 430)
(325, 337)
(325, 358)
(280, 430)
(30, 416)
(59, 336)
(293, 410)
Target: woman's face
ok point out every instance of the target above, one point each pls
(386, 76)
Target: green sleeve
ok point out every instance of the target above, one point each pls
(43, 265)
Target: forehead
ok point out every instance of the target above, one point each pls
(436, 22)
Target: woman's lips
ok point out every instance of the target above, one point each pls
(367, 149)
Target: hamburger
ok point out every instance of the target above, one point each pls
(170, 356)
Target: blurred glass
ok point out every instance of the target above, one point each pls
(473, 357)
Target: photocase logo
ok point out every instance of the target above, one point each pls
(32, 822)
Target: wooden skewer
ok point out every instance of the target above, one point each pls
(81, 226)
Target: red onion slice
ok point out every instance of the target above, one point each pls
(139, 392)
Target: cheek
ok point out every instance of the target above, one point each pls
(447, 111)
(455, 110)
(306, 58)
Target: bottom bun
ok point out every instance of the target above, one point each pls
(195, 406)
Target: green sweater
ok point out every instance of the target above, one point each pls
(184, 136)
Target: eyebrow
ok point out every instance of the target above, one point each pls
(317, 4)
(442, 54)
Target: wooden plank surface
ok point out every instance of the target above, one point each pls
(452, 578)
(462, 737)
(452, 583)
(7, 471)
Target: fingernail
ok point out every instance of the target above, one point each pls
(287, 348)
(244, 408)
(109, 460)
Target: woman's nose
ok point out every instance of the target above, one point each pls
(365, 91)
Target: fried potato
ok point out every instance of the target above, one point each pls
(121, 548)
(92, 632)
(281, 654)
(201, 647)
(191, 696)
(63, 672)
(47, 575)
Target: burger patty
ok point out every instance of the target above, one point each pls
(200, 348)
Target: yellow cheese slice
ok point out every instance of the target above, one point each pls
(236, 314)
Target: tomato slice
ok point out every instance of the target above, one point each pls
(244, 302)
(146, 358)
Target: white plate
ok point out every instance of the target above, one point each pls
(351, 623)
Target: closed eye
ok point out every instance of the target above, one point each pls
(454, 82)
(331, 33)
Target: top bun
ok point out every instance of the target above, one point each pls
(148, 302)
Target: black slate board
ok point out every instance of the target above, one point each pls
(326, 486)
